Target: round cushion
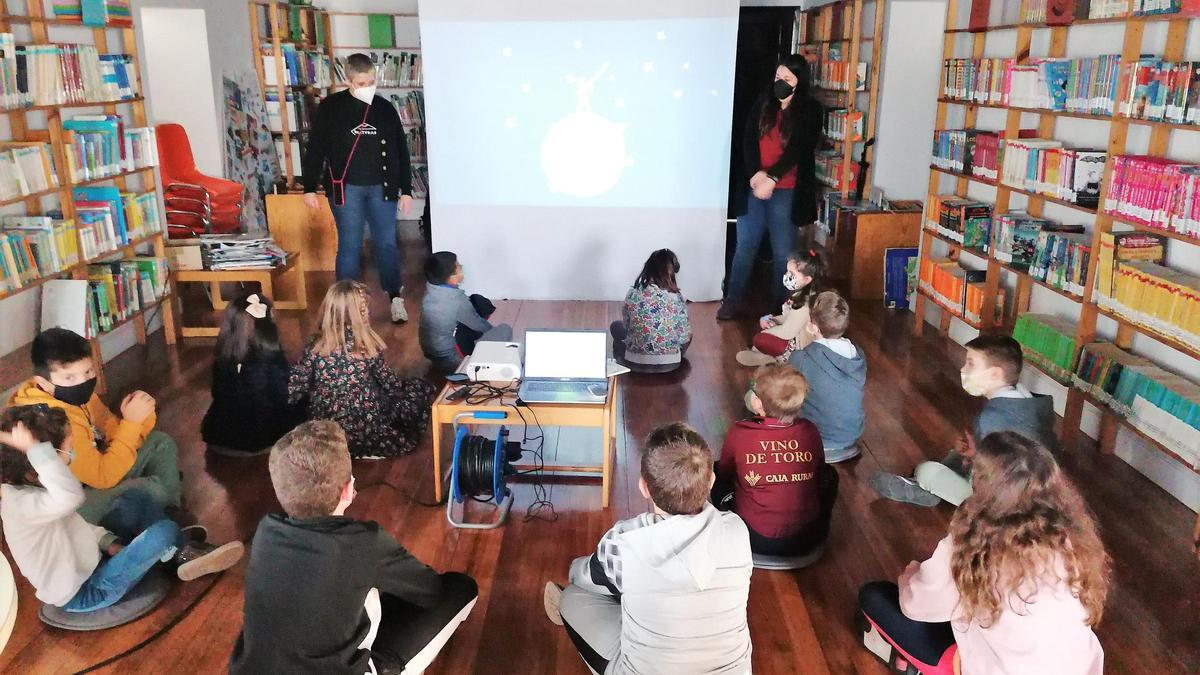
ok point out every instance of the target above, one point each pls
(774, 562)
(8, 602)
(143, 598)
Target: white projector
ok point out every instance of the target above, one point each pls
(494, 362)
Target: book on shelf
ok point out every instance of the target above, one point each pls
(411, 108)
(420, 178)
(829, 169)
(1044, 166)
(297, 23)
(1060, 260)
(1123, 245)
(1108, 9)
(100, 212)
(1048, 341)
(1155, 192)
(54, 74)
(26, 167)
(972, 151)
(100, 145)
(977, 20)
(955, 216)
(1165, 300)
(416, 143)
(300, 108)
(142, 215)
(392, 68)
(898, 283)
(1160, 404)
(94, 12)
(32, 247)
(1082, 85)
(843, 124)
(381, 31)
(956, 288)
(301, 68)
(120, 289)
(1161, 91)
(838, 75)
(1015, 236)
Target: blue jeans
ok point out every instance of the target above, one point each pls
(364, 206)
(772, 217)
(135, 518)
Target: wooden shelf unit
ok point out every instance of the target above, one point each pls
(38, 26)
(841, 23)
(1133, 28)
(277, 22)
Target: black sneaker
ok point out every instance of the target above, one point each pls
(196, 560)
(727, 311)
(901, 489)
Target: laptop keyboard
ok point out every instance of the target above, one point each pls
(555, 387)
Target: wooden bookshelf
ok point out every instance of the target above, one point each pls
(276, 26)
(106, 39)
(1160, 137)
(840, 26)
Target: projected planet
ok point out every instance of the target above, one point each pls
(583, 154)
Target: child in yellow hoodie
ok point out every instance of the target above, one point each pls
(111, 454)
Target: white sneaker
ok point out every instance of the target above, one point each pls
(399, 313)
(551, 599)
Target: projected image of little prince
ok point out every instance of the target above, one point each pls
(583, 154)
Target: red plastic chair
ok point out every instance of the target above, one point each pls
(196, 204)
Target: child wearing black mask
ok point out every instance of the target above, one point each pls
(111, 454)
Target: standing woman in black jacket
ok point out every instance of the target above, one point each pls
(778, 148)
(358, 150)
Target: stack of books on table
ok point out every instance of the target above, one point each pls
(229, 252)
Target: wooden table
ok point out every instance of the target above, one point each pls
(547, 415)
(289, 276)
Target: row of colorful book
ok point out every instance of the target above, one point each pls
(1123, 244)
(297, 23)
(114, 13)
(26, 168)
(98, 146)
(1160, 298)
(392, 69)
(1162, 91)
(411, 107)
(829, 165)
(1047, 167)
(1049, 342)
(301, 108)
(420, 178)
(109, 219)
(1083, 85)
(959, 219)
(32, 247)
(1161, 404)
(120, 289)
(300, 67)
(416, 144)
(842, 124)
(53, 74)
(837, 73)
(1156, 192)
(956, 288)
(971, 151)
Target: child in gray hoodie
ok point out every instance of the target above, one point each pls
(666, 591)
(836, 372)
(992, 369)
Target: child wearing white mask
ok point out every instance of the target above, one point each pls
(785, 333)
(992, 369)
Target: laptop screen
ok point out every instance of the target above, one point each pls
(577, 355)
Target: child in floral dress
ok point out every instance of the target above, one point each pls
(655, 332)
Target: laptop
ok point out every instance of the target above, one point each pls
(565, 366)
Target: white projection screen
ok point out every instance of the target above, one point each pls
(570, 138)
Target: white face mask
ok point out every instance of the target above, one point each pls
(971, 383)
(364, 94)
(792, 282)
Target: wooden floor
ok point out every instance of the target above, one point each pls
(800, 622)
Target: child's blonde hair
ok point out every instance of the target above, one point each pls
(344, 322)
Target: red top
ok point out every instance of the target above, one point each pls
(774, 466)
(770, 149)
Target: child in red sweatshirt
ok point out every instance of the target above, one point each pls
(772, 470)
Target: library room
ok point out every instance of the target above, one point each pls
(685, 337)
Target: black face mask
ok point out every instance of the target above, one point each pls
(782, 89)
(77, 394)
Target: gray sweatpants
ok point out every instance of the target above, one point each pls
(949, 479)
(156, 471)
(592, 615)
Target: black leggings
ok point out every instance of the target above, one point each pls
(924, 642)
(466, 337)
(808, 538)
(405, 629)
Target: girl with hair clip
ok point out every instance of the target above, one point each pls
(1017, 584)
(654, 332)
(784, 333)
(344, 377)
(250, 409)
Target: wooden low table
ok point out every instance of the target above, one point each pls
(547, 415)
(290, 275)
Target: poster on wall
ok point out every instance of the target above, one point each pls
(249, 149)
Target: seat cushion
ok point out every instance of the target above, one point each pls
(144, 597)
(775, 562)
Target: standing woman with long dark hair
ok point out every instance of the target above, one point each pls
(778, 148)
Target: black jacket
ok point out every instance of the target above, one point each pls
(305, 587)
(330, 140)
(249, 408)
(800, 152)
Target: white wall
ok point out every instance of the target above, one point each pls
(177, 57)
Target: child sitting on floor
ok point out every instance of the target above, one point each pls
(366, 604)
(992, 369)
(343, 377)
(836, 372)
(250, 409)
(654, 333)
(112, 454)
(72, 564)
(786, 333)
(452, 323)
(772, 470)
(665, 591)
(1018, 583)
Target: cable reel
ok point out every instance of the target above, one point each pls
(478, 471)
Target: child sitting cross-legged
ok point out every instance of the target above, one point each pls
(666, 591)
(70, 563)
(653, 334)
(992, 369)
(327, 593)
(785, 333)
(343, 377)
(451, 322)
(772, 470)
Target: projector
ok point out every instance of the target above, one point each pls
(494, 362)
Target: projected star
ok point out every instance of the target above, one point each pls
(678, 93)
(507, 51)
(648, 67)
(526, 88)
(662, 35)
